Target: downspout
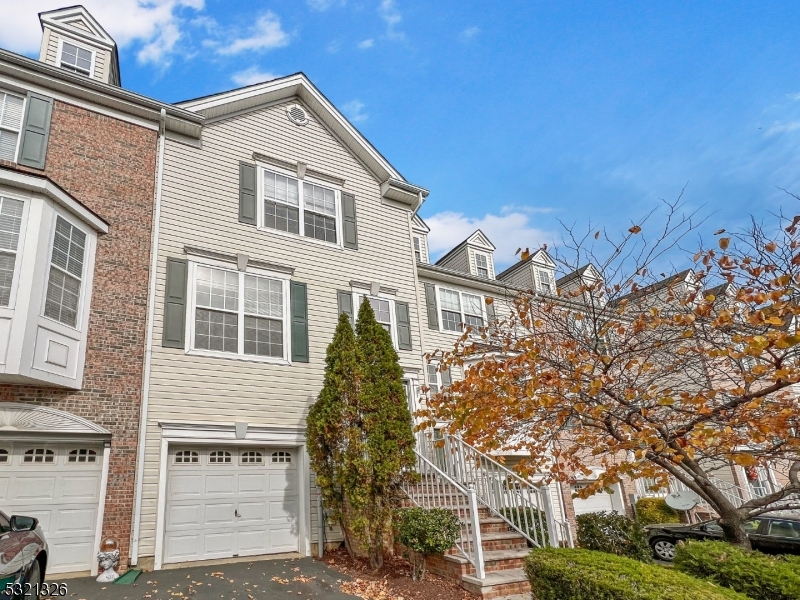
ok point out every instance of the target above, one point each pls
(148, 355)
(419, 312)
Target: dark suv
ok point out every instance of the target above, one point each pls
(774, 534)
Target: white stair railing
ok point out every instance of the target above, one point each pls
(524, 506)
(735, 494)
(435, 489)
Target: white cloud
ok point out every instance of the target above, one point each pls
(783, 128)
(470, 32)
(252, 75)
(324, 4)
(157, 24)
(391, 16)
(266, 34)
(369, 43)
(353, 111)
(508, 231)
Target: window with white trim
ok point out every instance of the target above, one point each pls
(282, 210)
(66, 273)
(226, 320)
(546, 282)
(281, 457)
(82, 455)
(183, 457)
(11, 113)
(383, 313)
(437, 380)
(251, 457)
(39, 455)
(76, 59)
(482, 265)
(417, 249)
(219, 457)
(10, 225)
(460, 309)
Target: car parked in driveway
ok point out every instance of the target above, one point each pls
(23, 557)
(773, 534)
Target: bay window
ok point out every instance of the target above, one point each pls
(460, 309)
(66, 273)
(282, 209)
(239, 313)
(10, 223)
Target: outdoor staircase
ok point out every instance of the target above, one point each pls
(488, 557)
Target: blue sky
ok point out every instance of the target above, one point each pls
(514, 114)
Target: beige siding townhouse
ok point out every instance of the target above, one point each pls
(279, 217)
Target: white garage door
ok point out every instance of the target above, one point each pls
(224, 502)
(601, 501)
(60, 486)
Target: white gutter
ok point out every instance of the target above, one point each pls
(148, 355)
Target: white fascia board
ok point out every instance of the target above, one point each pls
(480, 239)
(58, 18)
(47, 188)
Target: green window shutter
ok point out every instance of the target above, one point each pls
(35, 131)
(349, 230)
(298, 299)
(447, 381)
(174, 328)
(430, 302)
(491, 315)
(403, 326)
(247, 193)
(345, 301)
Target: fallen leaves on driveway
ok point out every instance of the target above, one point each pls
(369, 590)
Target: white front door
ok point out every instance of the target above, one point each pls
(599, 502)
(59, 484)
(225, 501)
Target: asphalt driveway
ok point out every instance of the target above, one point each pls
(260, 580)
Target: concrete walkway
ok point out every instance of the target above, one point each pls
(284, 578)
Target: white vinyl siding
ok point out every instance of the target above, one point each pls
(226, 321)
(66, 272)
(11, 112)
(282, 210)
(10, 224)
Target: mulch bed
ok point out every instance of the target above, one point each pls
(392, 582)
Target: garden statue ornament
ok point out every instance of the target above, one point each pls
(108, 557)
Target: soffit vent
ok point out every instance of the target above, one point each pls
(297, 114)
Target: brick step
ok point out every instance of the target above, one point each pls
(493, 525)
(493, 560)
(497, 584)
(499, 540)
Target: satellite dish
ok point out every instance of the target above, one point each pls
(682, 500)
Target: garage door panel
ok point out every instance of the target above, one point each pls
(31, 487)
(4, 487)
(184, 515)
(248, 486)
(78, 488)
(68, 555)
(599, 502)
(219, 513)
(220, 484)
(75, 521)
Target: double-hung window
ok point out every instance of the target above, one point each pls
(10, 224)
(11, 112)
(482, 265)
(417, 249)
(76, 59)
(239, 313)
(546, 282)
(317, 214)
(66, 273)
(437, 380)
(383, 314)
(460, 309)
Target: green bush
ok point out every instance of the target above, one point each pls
(529, 523)
(426, 531)
(759, 576)
(655, 510)
(562, 573)
(615, 534)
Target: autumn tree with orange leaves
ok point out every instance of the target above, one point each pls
(650, 374)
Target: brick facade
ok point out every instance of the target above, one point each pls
(109, 166)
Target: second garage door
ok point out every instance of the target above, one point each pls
(599, 502)
(224, 502)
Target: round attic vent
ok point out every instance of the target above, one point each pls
(297, 114)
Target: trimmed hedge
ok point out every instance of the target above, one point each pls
(655, 510)
(758, 575)
(426, 531)
(562, 573)
(615, 534)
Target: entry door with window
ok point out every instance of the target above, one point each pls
(224, 502)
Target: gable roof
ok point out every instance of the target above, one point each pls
(252, 97)
(679, 277)
(419, 225)
(540, 256)
(587, 268)
(477, 238)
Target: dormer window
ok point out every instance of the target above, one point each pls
(417, 250)
(545, 282)
(76, 59)
(482, 265)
